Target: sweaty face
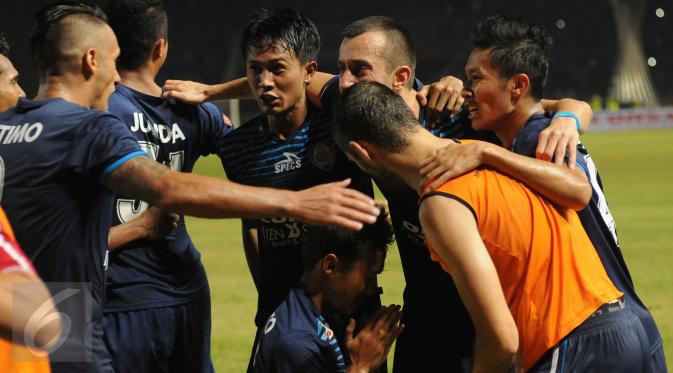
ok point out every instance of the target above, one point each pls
(277, 78)
(362, 58)
(10, 91)
(487, 94)
(352, 286)
(107, 74)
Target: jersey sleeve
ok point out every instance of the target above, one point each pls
(213, 128)
(330, 93)
(296, 352)
(11, 256)
(101, 146)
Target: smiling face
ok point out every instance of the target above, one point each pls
(350, 286)
(10, 91)
(487, 94)
(363, 58)
(277, 78)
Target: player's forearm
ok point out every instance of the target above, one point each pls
(564, 187)
(123, 234)
(580, 108)
(234, 89)
(210, 197)
(17, 308)
(491, 357)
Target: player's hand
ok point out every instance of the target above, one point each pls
(333, 203)
(451, 161)
(442, 99)
(560, 137)
(186, 91)
(369, 349)
(157, 223)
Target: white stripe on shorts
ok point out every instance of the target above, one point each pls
(554, 360)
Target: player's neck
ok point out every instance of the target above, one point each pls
(407, 163)
(409, 96)
(67, 88)
(313, 288)
(141, 80)
(286, 123)
(514, 122)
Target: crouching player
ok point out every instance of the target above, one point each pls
(341, 269)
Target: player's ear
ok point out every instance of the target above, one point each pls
(401, 76)
(360, 149)
(90, 62)
(310, 68)
(159, 49)
(330, 263)
(520, 86)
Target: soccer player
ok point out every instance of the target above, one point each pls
(289, 146)
(380, 49)
(10, 90)
(341, 269)
(506, 74)
(18, 309)
(62, 157)
(529, 276)
(156, 281)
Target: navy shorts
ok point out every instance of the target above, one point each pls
(612, 340)
(165, 339)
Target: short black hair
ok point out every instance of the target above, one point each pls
(370, 111)
(49, 28)
(138, 24)
(4, 45)
(348, 245)
(284, 30)
(517, 47)
(399, 47)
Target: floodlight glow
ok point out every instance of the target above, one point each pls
(652, 61)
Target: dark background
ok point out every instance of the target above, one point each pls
(204, 37)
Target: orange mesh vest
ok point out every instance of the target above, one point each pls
(550, 273)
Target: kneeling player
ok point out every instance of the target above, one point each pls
(341, 269)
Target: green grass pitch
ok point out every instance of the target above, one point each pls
(637, 172)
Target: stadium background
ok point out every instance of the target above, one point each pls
(636, 165)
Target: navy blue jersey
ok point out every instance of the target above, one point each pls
(596, 219)
(297, 338)
(157, 273)
(253, 155)
(53, 155)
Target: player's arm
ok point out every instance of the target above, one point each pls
(562, 134)
(153, 224)
(296, 352)
(198, 93)
(18, 307)
(209, 197)
(451, 230)
(251, 249)
(565, 187)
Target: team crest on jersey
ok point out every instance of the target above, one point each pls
(326, 334)
(291, 162)
(323, 155)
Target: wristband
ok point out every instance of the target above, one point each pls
(567, 114)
